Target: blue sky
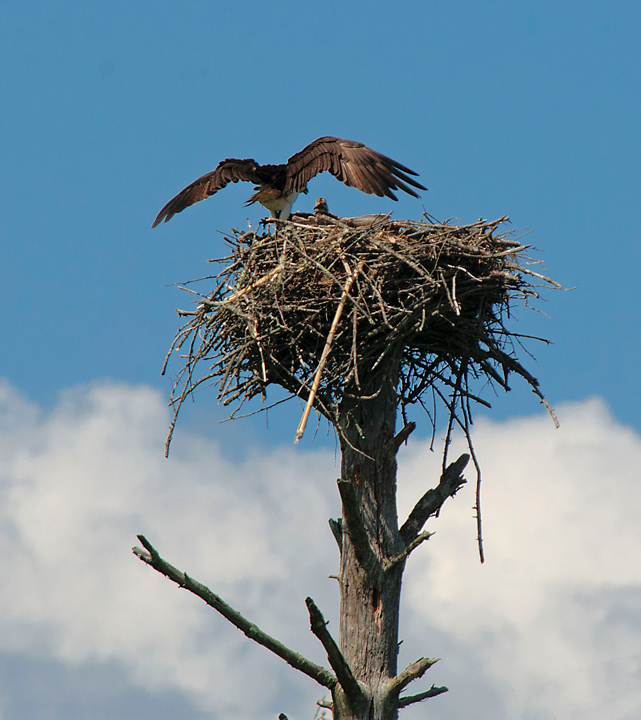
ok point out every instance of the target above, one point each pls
(526, 109)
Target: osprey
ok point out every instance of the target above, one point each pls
(278, 186)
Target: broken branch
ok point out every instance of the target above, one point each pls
(353, 521)
(412, 672)
(449, 484)
(316, 672)
(411, 699)
(344, 673)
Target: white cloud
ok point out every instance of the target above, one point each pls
(549, 627)
(79, 484)
(563, 545)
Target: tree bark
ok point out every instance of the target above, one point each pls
(370, 582)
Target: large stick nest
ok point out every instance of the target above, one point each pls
(339, 301)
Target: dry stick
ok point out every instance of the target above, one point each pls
(548, 407)
(328, 345)
(172, 427)
(402, 557)
(477, 505)
(266, 278)
(411, 699)
(253, 329)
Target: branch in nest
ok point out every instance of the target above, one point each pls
(325, 354)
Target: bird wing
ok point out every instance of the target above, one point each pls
(229, 170)
(350, 162)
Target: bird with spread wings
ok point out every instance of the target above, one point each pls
(278, 186)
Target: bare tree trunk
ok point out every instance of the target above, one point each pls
(364, 683)
(370, 584)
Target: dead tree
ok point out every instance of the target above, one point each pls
(361, 321)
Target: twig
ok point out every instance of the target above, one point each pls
(548, 407)
(477, 495)
(411, 699)
(402, 557)
(249, 288)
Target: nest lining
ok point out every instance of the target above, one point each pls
(336, 304)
